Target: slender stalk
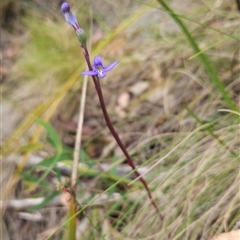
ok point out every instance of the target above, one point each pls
(114, 133)
(77, 146)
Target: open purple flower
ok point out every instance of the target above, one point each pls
(99, 69)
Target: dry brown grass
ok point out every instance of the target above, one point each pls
(196, 175)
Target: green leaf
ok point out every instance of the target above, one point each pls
(34, 179)
(45, 201)
(58, 146)
(52, 133)
(30, 147)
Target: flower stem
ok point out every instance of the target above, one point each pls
(114, 133)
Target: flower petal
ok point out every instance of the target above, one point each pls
(110, 66)
(65, 8)
(69, 17)
(102, 75)
(97, 61)
(89, 73)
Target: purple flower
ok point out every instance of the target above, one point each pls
(70, 18)
(99, 69)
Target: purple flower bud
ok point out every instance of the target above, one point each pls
(72, 20)
(98, 68)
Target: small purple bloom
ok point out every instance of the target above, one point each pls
(99, 69)
(70, 18)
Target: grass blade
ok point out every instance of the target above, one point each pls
(203, 58)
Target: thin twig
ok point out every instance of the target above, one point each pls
(75, 173)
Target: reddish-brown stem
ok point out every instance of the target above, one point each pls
(114, 133)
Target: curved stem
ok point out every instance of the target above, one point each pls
(114, 133)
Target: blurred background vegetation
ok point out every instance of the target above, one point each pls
(174, 99)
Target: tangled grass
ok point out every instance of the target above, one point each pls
(182, 127)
